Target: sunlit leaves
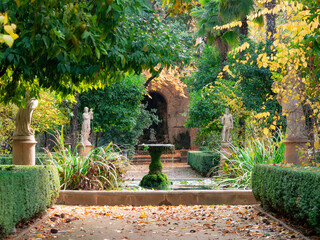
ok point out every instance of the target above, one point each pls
(9, 36)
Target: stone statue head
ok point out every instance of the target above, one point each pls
(86, 109)
(227, 111)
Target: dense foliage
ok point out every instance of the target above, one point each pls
(203, 161)
(291, 191)
(101, 169)
(238, 167)
(26, 191)
(119, 116)
(66, 47)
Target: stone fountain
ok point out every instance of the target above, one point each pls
(155, 179)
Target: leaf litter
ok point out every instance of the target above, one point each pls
(158, 222)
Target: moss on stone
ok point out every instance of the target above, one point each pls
(157, 180)
(155, 165)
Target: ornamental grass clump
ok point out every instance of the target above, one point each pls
(238, 167)
(101, 169)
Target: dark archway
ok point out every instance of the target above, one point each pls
(158, 102)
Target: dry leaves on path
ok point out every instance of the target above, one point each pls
(159, 222)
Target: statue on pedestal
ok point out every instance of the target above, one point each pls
(227, 122)
(23, 119)
(85, 133)
(24, 144)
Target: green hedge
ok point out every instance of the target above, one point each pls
(204, 149)
(203, 162)
(6, 159)
(25, 192)
(293, 192)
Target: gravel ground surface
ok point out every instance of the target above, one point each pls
(158, 222)
(180, 171)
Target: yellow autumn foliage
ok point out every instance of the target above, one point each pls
(7, 35)
(46, 116)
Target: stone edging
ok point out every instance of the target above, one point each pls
(152, 197)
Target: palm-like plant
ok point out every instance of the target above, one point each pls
(213, 13)
(208, 17)
(231, 10)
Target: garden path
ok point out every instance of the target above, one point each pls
(158, 222)
(174, 171)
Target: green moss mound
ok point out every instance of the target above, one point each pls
(157, 180)
(25, 192)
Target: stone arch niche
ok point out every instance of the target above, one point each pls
(156, 101)
(170, 106)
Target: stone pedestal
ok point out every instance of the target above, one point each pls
(183, 155)
(225, 152)
(83, 150)
(24, 150)
(296, 151)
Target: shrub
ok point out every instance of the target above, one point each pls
(238, 167)
(291, 191)
(101, 169)
(25, 192)
(203, 162)
(6, 159)
(204, 149)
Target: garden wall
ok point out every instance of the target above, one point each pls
(293, 192)
(203, 162)
(25, 192)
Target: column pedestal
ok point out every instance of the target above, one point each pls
(296, 151)
(83, 150)
(225, 152)
(24, 150)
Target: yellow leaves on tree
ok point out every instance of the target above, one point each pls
(9, 36)
(46, 116)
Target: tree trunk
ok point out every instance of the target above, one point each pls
(223, 49)
(271, 21)
(244, 28)
(74, 123)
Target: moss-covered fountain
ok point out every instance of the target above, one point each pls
(155, 179)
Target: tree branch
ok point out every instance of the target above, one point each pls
(3, 71)
(151, 78)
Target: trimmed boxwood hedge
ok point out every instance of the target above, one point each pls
(203, 162)
(6, 159)
(25, 192)
(293, 192)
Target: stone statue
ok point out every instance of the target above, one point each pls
(227, 122)
(152, 136)
(289, 97)
(23, 119)
(87, 116)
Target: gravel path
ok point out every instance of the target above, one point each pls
(158, 222)
(174, 171)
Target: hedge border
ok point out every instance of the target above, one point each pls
(25, 192)
(293, 192)
(202, 161)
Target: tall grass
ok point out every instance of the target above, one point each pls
(101, 169)
(238, 167)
